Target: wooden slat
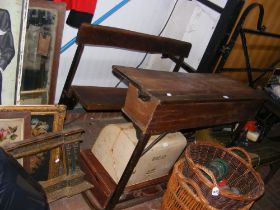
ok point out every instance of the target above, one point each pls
(100, 98)
(196, 115)
(115, 37)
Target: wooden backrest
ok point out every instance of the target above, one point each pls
(131, 40)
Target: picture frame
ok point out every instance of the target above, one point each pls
(44, 119)
(14, 127)
(58, 113)
(13, 15)
(45, 22)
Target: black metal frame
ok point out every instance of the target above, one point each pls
(229, 15)
(267, 116)
(242, 31)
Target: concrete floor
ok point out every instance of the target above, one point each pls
(77, 202)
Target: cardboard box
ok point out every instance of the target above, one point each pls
(116, 143)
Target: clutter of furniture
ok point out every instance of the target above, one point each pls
(132, 161)
(153, 98)
(156, 102)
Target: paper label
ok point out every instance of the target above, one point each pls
(215, 191)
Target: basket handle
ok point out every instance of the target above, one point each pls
(188, 182)
(208, 172)
(243, 151)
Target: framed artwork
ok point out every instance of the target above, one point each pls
(45, 21)
(44, 119)
(13, 15)
(53, 114)
(14, 127)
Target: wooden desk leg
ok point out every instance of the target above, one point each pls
(142, 142)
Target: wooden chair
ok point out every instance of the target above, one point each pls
(111, 98)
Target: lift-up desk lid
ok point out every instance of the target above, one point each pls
(159, 101)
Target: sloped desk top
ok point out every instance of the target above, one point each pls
(160, 101)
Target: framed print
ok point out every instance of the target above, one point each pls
(14, 127)
(54, 114)
(12, 27)
(44, 119)
(45, 21)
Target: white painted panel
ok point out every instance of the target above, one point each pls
(194, 23)
(199, 32)
(175, 29)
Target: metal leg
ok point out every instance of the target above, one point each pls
(154, 143)
(142, 142)
(247, 58)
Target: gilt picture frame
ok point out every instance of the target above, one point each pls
(44, 119)
(14, 127)
(56, 113)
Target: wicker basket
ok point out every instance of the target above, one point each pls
(241, 175)
(184, 194)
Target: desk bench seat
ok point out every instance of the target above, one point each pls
(100, 98)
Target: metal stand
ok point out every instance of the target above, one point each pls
(142, 142)
(242, 31)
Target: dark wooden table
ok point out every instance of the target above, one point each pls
(158, 102)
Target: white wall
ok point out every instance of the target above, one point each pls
(148, 16)
(193, 22)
